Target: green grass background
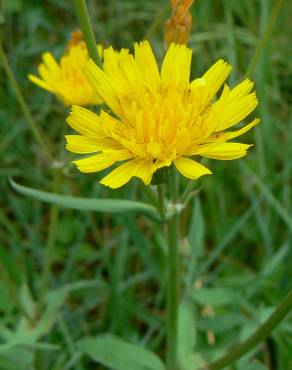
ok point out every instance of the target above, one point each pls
(236, 232)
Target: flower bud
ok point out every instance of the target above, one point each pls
(177, 29)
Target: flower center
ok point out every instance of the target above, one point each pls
(160, 125)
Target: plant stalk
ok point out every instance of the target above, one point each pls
(51, 241)
(160, 191)
(264, 38)
(260, 335)
(32, 125)
(86, 27)
(172, 282)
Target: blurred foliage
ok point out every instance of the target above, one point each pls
(107, 273)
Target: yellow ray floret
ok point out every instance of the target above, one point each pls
(66, 79)
(158, 118)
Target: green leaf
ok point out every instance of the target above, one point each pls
(262, 314)
(196, 243)
(186, 328)
(254, 365)
(17, 358)
(277, 259)
(197, 230)
(215, 296)
(88, 204)
(27, 301)
(188, 360)
(221, 324)
(28, 335)
(271, 199)
(55, 300)
(117, 354)
(5, 302)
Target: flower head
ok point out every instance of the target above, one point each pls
(66, 79)
(158, 118)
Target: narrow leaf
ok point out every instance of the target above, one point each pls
(272, 200)
(254, 365)
(197, 230)
(88, 204)
(118, 354)
(186, 336)
(215, 296)
(186, 327)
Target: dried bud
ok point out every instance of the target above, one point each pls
(177, 29)
(76, 38)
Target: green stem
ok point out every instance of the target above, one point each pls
(34, 128)
(189, 192)
(12, 290)
(261, 334)
(160, 191)
(172, 283)
(86, 27)
(51, 241)
(2, 20)
(1, 15)
(151, 195)
(72, 349)
(264, 38)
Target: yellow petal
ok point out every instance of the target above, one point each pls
(216, 75)
(131, 74)
(40, 83)
(122, 174)
(241, 90)
(190, 168)
(50, 62)
(234, 105)
(144, 171)
(101, 161)
(236, 111)
(232, 134)
(161, 163)
(146, 64)
(47, 75)
(183, 141)
(110, 124)
(112, 68)
(102, 84)
(200, 93)
(82, 144)
(176, 65)
(122, 71)
(85, 122)
(225, 151)
(97, 162)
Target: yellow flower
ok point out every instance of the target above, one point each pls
(66, 79)
(156, 119)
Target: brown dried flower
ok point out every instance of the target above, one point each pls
(177, 29)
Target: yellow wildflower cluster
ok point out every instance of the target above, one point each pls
(157, 118)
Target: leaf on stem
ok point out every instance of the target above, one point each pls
(117, 354)
(88, 204)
